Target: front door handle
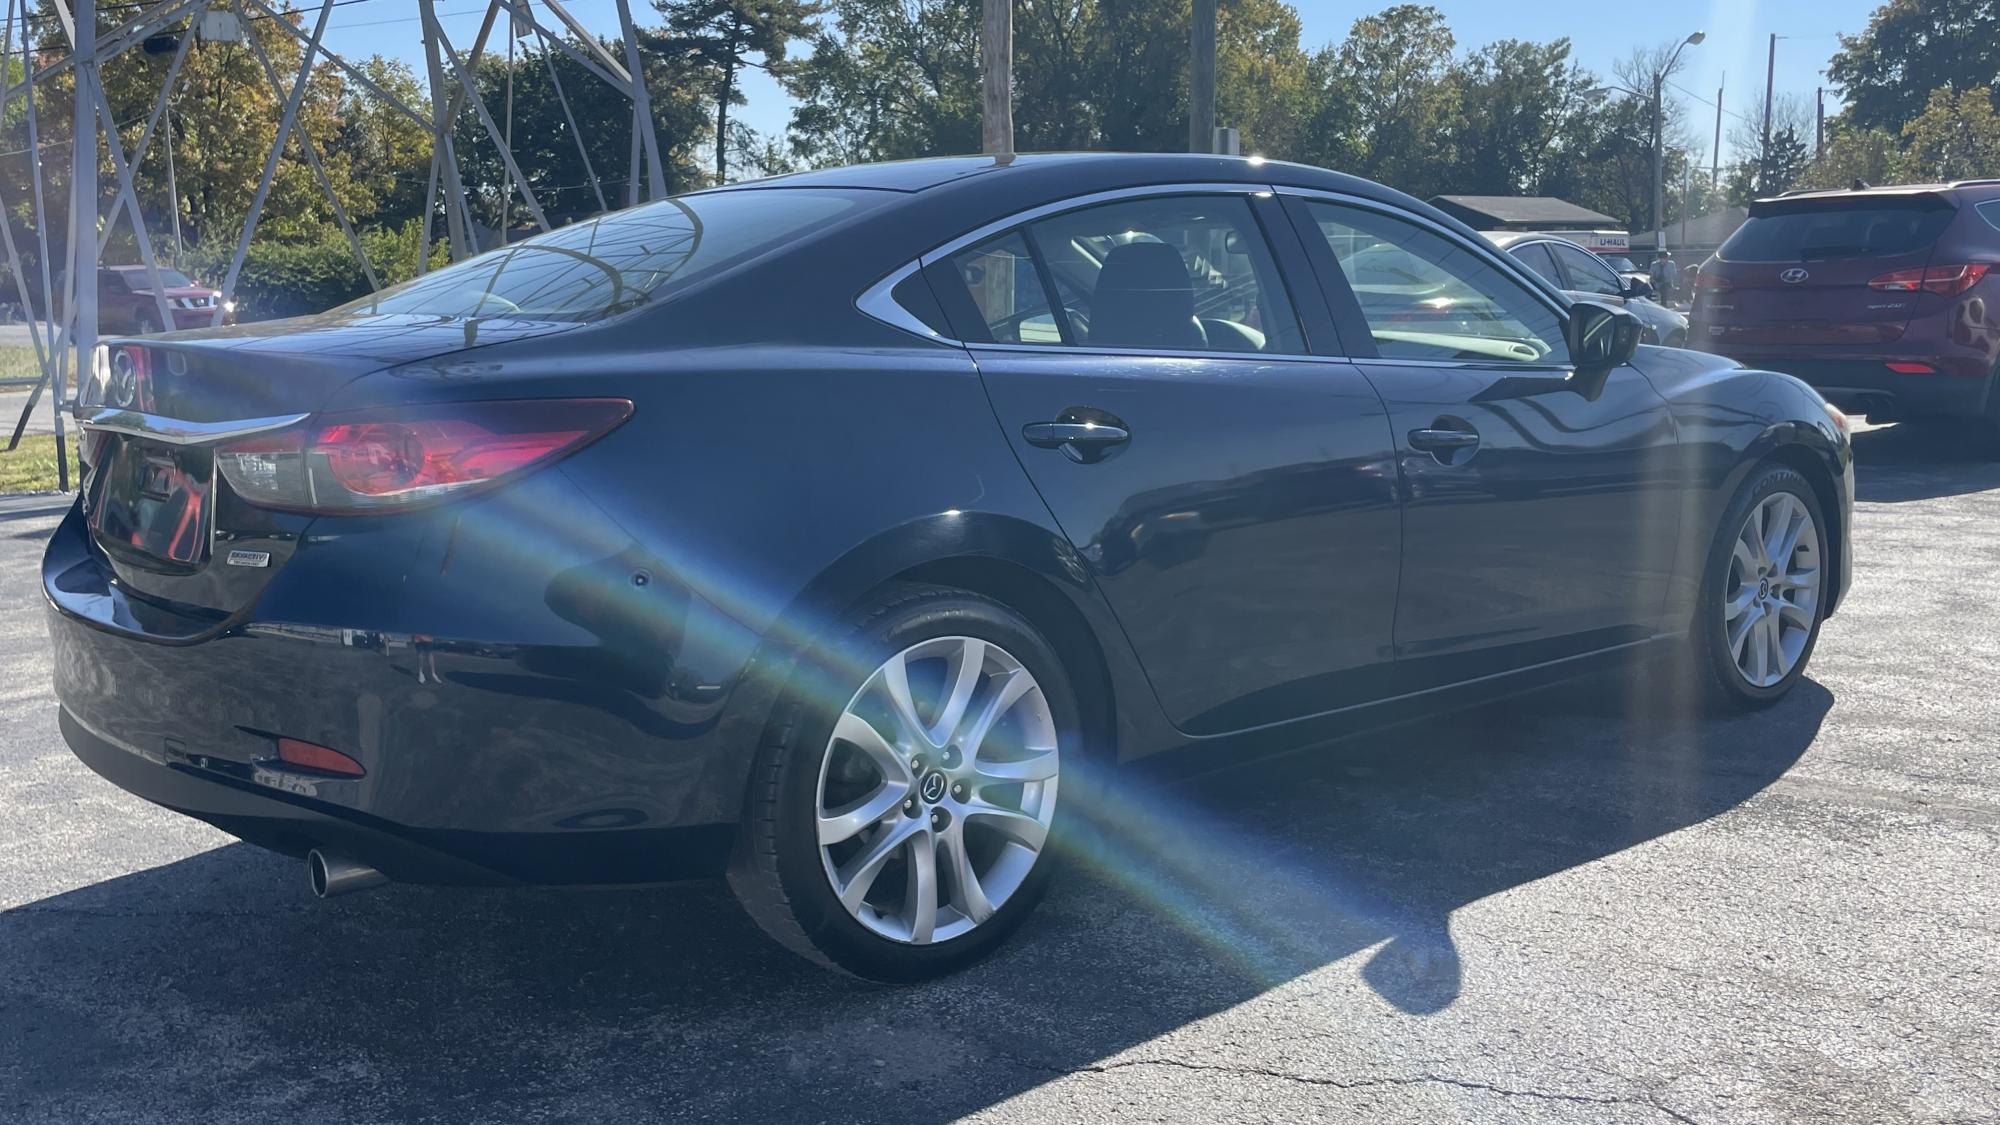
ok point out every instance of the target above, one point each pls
(1082, 441)
(1443, 441)
(1448, 444)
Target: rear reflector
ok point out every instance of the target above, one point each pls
(292, 752)
(377, 460)
(1902, 368)
(1945, 281)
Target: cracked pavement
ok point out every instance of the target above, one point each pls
(1568, 908)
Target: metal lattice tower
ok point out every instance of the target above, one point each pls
(64, 337)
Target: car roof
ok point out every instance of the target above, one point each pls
(1077, 173)
(1970, 187)
(1508, 239)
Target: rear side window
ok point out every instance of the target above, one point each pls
(1535, 256)
(620, 260)
(1174, 273)
(1838, 228)
(1157, 273)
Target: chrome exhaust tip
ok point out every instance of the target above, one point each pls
(334, 874)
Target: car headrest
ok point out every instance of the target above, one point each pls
(1144, 299)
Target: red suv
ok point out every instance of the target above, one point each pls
(1885, 299)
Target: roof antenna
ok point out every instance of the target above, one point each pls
(1859, 184)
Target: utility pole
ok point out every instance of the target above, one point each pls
(1819, 125)
(1715, 154)
(1201, 78)
(1660, 140)
(1770, 85)
(996, 51)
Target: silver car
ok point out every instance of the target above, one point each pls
(1585, 276)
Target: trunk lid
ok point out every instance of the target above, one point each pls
(1798, 271)
(163, 517)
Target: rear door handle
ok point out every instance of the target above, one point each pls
(1082, 441)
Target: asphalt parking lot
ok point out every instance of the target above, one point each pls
(1562, 909)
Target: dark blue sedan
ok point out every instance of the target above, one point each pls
(832, 531)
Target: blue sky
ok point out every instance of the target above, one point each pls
(1603, 32)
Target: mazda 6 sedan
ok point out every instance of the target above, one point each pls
(829, 532)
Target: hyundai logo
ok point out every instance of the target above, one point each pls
(1794, 275)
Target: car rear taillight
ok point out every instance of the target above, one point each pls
(1709, 281)
(389, 459)
(1945, 281)
(1910, 367)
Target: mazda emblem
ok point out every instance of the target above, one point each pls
(1794, 275)
(933, 787)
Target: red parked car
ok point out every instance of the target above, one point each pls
(1886, 299)
(126, 304)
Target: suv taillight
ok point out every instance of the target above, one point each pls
(1707, 280)
(1945, 281)
(393, 459)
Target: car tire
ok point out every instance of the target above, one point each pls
(1748, 594)
(810, 784)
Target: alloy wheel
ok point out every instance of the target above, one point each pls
(1770, 599)
(937, 789)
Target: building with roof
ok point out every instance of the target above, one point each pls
(1523, 212)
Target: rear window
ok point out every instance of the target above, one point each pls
(619, 261)
(1838, 228)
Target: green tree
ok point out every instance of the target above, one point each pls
(1516, 99)
(723, 38)
(888, 79)
(1956, 137)
(1384, 98)
(1262, 74)
(1885, 75)
(1853, 153)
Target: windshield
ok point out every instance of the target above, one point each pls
(139, 282)
(1839, 228)
(620, 260)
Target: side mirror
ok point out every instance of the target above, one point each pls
(1601, 339)
(1639, 287)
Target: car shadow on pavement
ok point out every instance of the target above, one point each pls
(1913, 461)
(214, 989)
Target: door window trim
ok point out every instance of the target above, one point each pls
(877, 301)
(1536, 285)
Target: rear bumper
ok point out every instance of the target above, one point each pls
(292, 813)
(533, 756)
(1865, 385)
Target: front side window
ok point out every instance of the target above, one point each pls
(1168, 273)
(620, 260)
(1425, 296)
(1587, 272)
